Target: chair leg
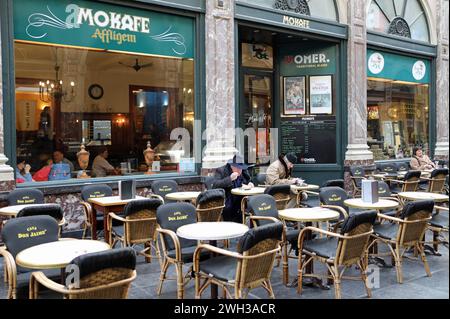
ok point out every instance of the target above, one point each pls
(337, 282)
(162, 277)
(148, 259)
(180, 281)
(424, 259)
(197, 286)
(285, 257)
(398, 265)
(84, 232)
(268, 286)
(435, 241)
(363, 269)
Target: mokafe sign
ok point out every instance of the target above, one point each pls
(102, 26)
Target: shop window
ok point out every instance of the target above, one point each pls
(66, 97)
(404, 18)
(398, 117)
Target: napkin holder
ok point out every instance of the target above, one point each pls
(127, 189)
(369, 191)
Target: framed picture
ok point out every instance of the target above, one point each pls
(321, 94)
(257, 56)
(294, 96)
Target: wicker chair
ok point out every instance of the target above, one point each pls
(357, 174)
(261, 179)
(138, 226)
(176, 251)
(402, 166)
(410, 182)
(281, 193)
(436, 182)
(208, 182)
(438, 226)
(334, 183)
(338, 251)
(247, 268)
(93, 191)
(333, 198)
(384, 192)
(23, 196)
(210, 204)
(14, 236)
(405, 232)
(162, 188)
(53, 210)
(103, 275)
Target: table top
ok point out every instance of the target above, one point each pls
(304, 187)
(14, 209)
(381, 204)
(112, 200)
(248, 192)
(423, 196)
(312, 214)
(58, 254)
(183, 195)
(212, 230)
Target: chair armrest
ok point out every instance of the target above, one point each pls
(88, 211)
(38, 277)
(358, 177)
(243, 206)
(312, 193)
(157, 197)
(174, 238)
(268, 218)
(401, 221)
(10, 265)
(338, 208)
(439, 208)
(395, 199)
(117, 217)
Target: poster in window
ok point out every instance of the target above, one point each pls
(26, 115)
(294, 96)
(257, 56)
(321, 94)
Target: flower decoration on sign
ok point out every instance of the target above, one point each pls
(37, 20)
(176, 38)
(297, 6)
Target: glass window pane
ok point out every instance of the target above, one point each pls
(399, 5)
(387, 7)
(419, 30)
(397, 117)
(413, 9)
(66, 97)
(376, 20)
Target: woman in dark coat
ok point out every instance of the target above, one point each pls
(233, 175)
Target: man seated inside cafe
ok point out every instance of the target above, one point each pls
(58, 158)
(233, 175)
(101, 167)
(420, 161)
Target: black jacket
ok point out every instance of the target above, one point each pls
(222, 178)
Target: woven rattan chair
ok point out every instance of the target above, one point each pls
(93, 191)
(103, 275)
(261, 179)
(402, 166)
(436, 182)
(162, 188)
(357, 174)
(333, 198)
(406, 231)
(384, 192)
(53, 210)
(176, 251)
(338, 251)
(16, 237)
(281, 193)
(247, 268)
(24, 196)
(410, 182)
(210, 204)
(138, 226)
(334, 183)
(439, 224)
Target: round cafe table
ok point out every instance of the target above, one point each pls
(304, 187)
(437, 198)
(58, 254)
(248, 192)
(382, 204)
(183, 196)
(212, 231)
(307, 216)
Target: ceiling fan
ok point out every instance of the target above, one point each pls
(137, 66)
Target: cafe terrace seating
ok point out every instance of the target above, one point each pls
(103, 275)
(138, 226)
(384, 192)
(338, 251)
(16, 235)
(402, 166)
(247, 268)
(210, 204)
(404, 232)
(93, 191)
(436, 182)
(24, 196)
(333, 198)
(162, 188)
(357, 174)
(439, 226)
(53, 210)
(410, 182)
(176, 251)
(334, 183)
(281, 193)
(261, 179)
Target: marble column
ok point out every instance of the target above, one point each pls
(357, 150)
(6, 171)
(442, 86)
(220, 73)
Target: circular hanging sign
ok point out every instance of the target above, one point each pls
(418, 70)
(376, 63)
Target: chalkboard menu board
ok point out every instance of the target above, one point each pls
(312, 139)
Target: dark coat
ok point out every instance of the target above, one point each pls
(222, 179)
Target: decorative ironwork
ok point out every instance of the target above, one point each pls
(399, 27)
(297, 6)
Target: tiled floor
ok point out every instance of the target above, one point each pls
(416, 284)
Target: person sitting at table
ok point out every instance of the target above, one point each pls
(420, 161)
(280, 171)
(42, 174)
(58, 158)
(233, 175)
(23, 171)
(100, 166)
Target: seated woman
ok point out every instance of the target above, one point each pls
(420, 161)
(42, 174)
(101, 167)
(280, 171)
(23, 171)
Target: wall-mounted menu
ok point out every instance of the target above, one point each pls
(312, 139)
